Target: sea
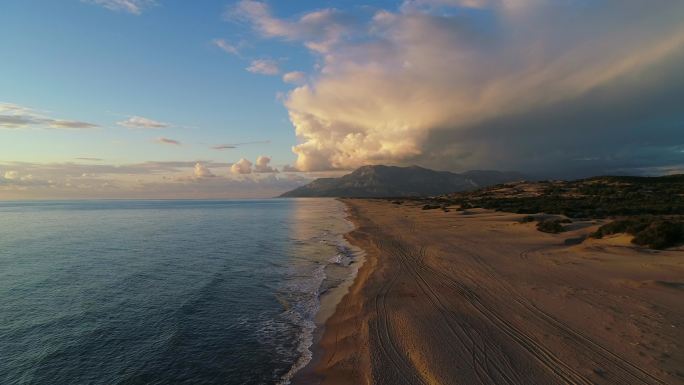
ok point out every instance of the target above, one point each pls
(166, 292)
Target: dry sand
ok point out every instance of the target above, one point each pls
(478, 298)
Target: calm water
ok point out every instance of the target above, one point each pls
(164, 292)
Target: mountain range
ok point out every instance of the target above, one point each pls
(393, 181)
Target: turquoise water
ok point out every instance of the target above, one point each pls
(164, 292)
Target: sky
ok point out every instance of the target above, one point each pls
(248, 99)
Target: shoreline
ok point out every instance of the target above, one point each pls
(328, 303)
(477, 297)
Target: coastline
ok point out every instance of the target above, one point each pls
(476, 297)
(328, 302)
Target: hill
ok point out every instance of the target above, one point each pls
(392, 181)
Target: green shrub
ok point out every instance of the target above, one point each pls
(553, 226)
(629, 226)
(652, 232)
(660, 235)
(527, 219)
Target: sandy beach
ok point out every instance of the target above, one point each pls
(476, 297)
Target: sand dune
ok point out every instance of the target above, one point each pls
(478, 298)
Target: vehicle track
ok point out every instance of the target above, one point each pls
(403, 372)
(623, 370)
(552, 363)
(483, 335)
(490, 365)
(632, 371)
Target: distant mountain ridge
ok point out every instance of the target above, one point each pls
(392, 181)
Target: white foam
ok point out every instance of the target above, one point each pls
(304, 312)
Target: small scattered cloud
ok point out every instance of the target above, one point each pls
(15, 176)
(148, 180)
(262, 165)
(264, 67)
(11, 175)
(230, 146)
(134, 7)
(87, 159)
(320, 30)
(13, 116)
(294, 77)
(225, 147)
(202, 171)
(163, 140)
(226, 46)
(243, 166)
(69, 124)
(288, 168)
(142, 123)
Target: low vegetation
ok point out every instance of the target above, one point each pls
(653, 232)
(553, 225)
(649, 208)
(431, 207)
(600, 197)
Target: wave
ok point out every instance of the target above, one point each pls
(303, 314)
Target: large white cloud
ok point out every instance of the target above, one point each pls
(436, 81)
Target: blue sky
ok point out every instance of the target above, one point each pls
(85, 62)
(127, 98)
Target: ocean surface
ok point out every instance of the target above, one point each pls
(165, 292)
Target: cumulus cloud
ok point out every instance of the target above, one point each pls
(13, 116)
(243, 166)
(163, 140)
(226, 46)
(11, 175)
(289, 168)
(230, 146)
(295, 77)
(524, 84)
(156, 180)
(135, 7)
(15, 177)
(264, 67)
(202, 171)
(142, 123)
(262, 165)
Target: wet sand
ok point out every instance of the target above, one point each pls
(478, 298)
